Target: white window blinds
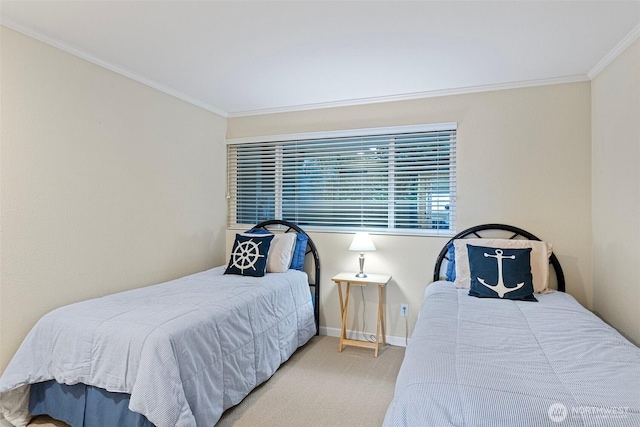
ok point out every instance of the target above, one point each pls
(395, 181)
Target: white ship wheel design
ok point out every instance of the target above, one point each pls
(246, 254)
(500, 288)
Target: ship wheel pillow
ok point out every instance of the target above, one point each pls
(258, 251)
(249, 255)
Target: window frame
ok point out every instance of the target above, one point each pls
(354, 133)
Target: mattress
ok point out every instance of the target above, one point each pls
(184, 350)
(492, 362)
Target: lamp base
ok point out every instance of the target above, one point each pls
(361, 259)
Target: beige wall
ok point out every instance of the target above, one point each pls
(616, 192)
(524, 158)
(106, 185)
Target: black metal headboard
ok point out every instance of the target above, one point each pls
(311, 249)
(517, 232)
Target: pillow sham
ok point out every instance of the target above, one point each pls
(297, 260)
(249, 255)
(257, 231)
(500, 273)
(540, 253)
(281, 251)
(451, 266)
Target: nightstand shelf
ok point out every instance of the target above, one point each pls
(379, 280)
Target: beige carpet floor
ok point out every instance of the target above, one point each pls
(316, 387)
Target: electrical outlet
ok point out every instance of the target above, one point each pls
(404, 310)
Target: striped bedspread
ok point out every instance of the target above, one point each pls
(490, 362)
(185, 350)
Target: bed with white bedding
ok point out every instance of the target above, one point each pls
(180, 352)
(502, 362)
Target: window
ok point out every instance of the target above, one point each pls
(399, 180)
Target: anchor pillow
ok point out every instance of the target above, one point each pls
(249, 255)
(500, 273)
(540, 253)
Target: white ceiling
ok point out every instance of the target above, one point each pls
(242, 57)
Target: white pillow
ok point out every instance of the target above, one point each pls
(281, 252)
(540, 253)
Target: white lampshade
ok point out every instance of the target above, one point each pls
(362, 242)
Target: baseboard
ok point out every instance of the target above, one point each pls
(358, 335)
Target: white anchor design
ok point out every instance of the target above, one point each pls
(500, 288)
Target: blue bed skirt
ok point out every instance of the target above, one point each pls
(81, 405)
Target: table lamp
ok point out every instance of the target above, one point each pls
(362, 242)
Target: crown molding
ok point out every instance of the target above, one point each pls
(617, 50)
(620, 47)
(414, 96)
(112, 67)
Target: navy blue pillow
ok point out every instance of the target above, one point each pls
(297, 259)
(513, 282)
(249, 255)
(451, 267)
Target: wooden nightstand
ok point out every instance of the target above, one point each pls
(379, 280)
